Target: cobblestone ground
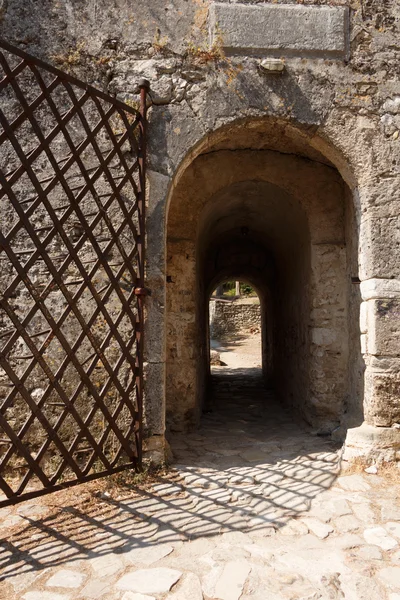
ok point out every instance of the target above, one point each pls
(255, 509)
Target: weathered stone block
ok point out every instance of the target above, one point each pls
(371, 442)
(383, 318)
(379, 248)
(282, 30)
(380, 288)
(382, 393)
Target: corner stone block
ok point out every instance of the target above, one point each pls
(379, 248)
(282, 30)
(384, 327)
(382, 398)
(374, 289)
(372, 443)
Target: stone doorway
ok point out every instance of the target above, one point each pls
(285, 222)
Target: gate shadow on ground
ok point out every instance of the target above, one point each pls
(248, 468)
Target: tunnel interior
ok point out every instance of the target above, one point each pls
(254, 231)
(285, 223)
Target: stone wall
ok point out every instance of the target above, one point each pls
(331, 100)
(233, 317)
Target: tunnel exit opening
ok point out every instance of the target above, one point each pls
(234, 327)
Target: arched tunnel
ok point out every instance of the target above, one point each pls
(286, 223)
(255, 231)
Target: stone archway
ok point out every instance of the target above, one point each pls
(301, 225)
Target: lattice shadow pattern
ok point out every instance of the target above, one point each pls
(71, 264)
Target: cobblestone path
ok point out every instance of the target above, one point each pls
(255, 509)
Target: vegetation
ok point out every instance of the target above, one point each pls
(206, 53)
(160, 42)
(229, 289)
(71, 58)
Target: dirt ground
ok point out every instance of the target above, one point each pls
(242, 351)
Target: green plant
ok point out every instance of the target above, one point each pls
(160, 42)
(246, 289)
(206, 53)
(71, 58)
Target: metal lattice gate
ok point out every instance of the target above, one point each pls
(72, 185)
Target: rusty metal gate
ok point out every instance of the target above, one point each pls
(72, 219)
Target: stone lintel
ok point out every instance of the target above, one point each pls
(281, 30)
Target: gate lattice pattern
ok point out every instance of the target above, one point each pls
(71, 279)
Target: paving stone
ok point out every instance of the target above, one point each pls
(347, 523)
(380, 537)
(347, 541)
(254, 455)
(364, 512)
(188, 589)
(321, 530)
(107, 565)
(395, 557)
(4, 512)
(241, 480)
(197, 547)
(262, 525)
(148, 555)
(294, 527)
(233, 577)
(241, 497)
(210, 579)
(353, 483)
(360, 587)
(269, 477)
(12, 520)
(390, 576)
(326, 510)
(31, 510)
(390, 511)
(235, 538)
(134, 596)
(66, 579)
(44, 596)
(149, 581)
(393, 528)
(369, 553)
(225, 553)
(24, 581)
(166, 489)
(94, 589)
(192, 481)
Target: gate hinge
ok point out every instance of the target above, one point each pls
(142, 291)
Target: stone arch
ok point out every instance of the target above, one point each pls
(283, 169)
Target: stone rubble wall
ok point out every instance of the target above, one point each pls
(233, 317)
